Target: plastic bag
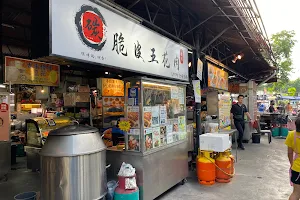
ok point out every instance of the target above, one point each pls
(126, 170)
(130, 183)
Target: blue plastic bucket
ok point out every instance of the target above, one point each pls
(26, 196)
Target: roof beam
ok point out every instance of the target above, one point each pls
(215, 38)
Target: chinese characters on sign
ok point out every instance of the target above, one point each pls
(98, 35)
(91, 27)
(112, 87)
(119, 44)
(22, 71)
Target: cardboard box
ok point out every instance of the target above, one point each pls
(82, 97)
(69, 99)
(83, 88)
(214, 142)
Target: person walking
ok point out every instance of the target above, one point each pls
(237, 115)
(293, 143)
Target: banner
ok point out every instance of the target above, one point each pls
(98, 35)
(217, 78)
(199, 69)
(112, 87)
(197, 90)
(29, 72)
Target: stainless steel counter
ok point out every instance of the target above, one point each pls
(157, 170)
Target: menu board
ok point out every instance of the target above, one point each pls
(147, 116)
(30, 72)
(164, 114)
(133, 138)
(217, 78)
(148, 139)
(156, 137)
(224, 110)
(112, 87)
(133, 116)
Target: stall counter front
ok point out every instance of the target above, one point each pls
(156, 145)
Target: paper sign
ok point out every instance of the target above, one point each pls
(181, 95)
(174, 92)
(155, 116)
(199, 69)
(197, 90)
(163, 114)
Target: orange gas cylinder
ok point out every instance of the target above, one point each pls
(224, 168)
(206, 169)
(232, 163)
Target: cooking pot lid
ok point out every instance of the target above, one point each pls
(73, 130)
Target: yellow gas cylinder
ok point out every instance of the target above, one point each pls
(224, 167)
(232, 161)
(206, 169)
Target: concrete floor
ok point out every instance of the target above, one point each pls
(261, 174)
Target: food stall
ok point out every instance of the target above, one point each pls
(37, 130)
(218, 99)
(156, 141)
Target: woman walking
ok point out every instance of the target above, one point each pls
(293, 143)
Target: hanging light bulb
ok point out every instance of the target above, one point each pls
(190, 64)
(239, 57)
(42, 90)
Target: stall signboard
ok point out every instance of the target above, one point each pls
(112, 87)
(29, 72)
(217, 78)
(98, 35)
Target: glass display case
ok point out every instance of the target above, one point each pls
(156, 110)
(157, 113)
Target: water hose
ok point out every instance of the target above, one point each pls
(231, 175)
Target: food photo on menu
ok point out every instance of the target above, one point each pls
(147, 117)
(163, 135)
(133, 116)
(148, 139)
(156, 137)
(133, 142)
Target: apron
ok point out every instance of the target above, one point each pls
(295, 156)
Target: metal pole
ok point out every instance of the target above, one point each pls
(196, 55)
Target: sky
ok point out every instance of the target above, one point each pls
(279, 15)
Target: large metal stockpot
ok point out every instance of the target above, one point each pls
(73, 164)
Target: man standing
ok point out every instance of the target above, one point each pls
(237, 115)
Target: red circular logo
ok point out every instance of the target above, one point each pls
(181, 56)
(91, 27)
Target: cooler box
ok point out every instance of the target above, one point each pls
(214, 142)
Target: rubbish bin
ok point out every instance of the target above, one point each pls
(73, 164)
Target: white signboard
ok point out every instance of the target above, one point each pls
(83, 30)
(197, 90)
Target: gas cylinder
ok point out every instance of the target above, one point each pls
(206, 169)
(232, 163)
(224, 167)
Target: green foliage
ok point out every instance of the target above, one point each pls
(282, 45)
(292, 91)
